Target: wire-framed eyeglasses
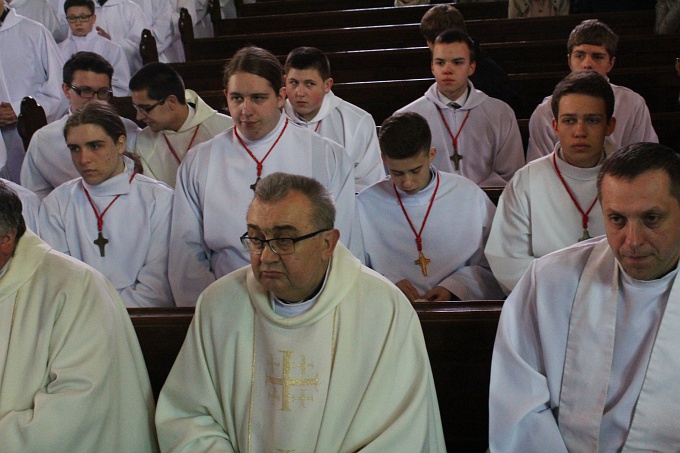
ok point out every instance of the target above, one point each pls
(280, 246)
(146, 109)
(89, 93)
(81, 18)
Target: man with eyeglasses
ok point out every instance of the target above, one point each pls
(303, 350)
(177, 120)
(87, 78)
(30, 64)
(84, 37)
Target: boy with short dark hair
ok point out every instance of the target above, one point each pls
(552, 202)
(425, 229)
(592, 45)
(83, 36)
(311, 103)
(176, 120)
(475, 135)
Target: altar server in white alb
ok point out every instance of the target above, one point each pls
(216, 180)
(592, 45)
(552, 202)
(475, 136)
(87, 78)
(29, 201)
(312, 104)
(73, 378)
(121, 21)
(586, 356)
(113, 218)
(30, 65)
(304, 350)
(424, 229)
(83, 37)
(40, 11)
(177, 120)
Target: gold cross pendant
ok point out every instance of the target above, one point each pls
(422, 261)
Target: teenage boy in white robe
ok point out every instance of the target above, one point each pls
(73, 378)
(30, 65)
(112, 217)
(305, 349)
(40, 11)
(121, 21)
(424, 229)
(475, 136)
(83, 37)
(592, 45)
(86, 78)
(586, 355)
(177, 120)
(215, 181)
(543, 207)
(312, 104)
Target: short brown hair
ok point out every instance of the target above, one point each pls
(440, 18)
(308, 58)
(587, 82)
(404, 135)
(595, 33)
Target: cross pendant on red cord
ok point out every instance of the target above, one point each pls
(101, 242)
(456, 158)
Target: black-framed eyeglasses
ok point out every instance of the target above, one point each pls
(89, 93)
(280, 246)
(146, 109)
(81, 18)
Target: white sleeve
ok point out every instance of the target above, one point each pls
(49, 65)
(520, 416)
(31, 177)
(510, 151)
(542, 137)
(51, 224)
(369, 167)
(474, 281)
(341, 185)
(189, 267)
(508, 248)
(152, 288)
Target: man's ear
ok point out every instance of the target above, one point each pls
(330, 240)
(7, 244)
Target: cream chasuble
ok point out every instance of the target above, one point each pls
(290, 383)
(73, 376)
(350, 374)
(588, 361)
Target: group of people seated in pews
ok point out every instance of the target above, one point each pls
(302, 237)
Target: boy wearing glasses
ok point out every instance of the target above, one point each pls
(83, 37)
(412, 225)
(298, 351)
(177, 120)
(87, 78)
